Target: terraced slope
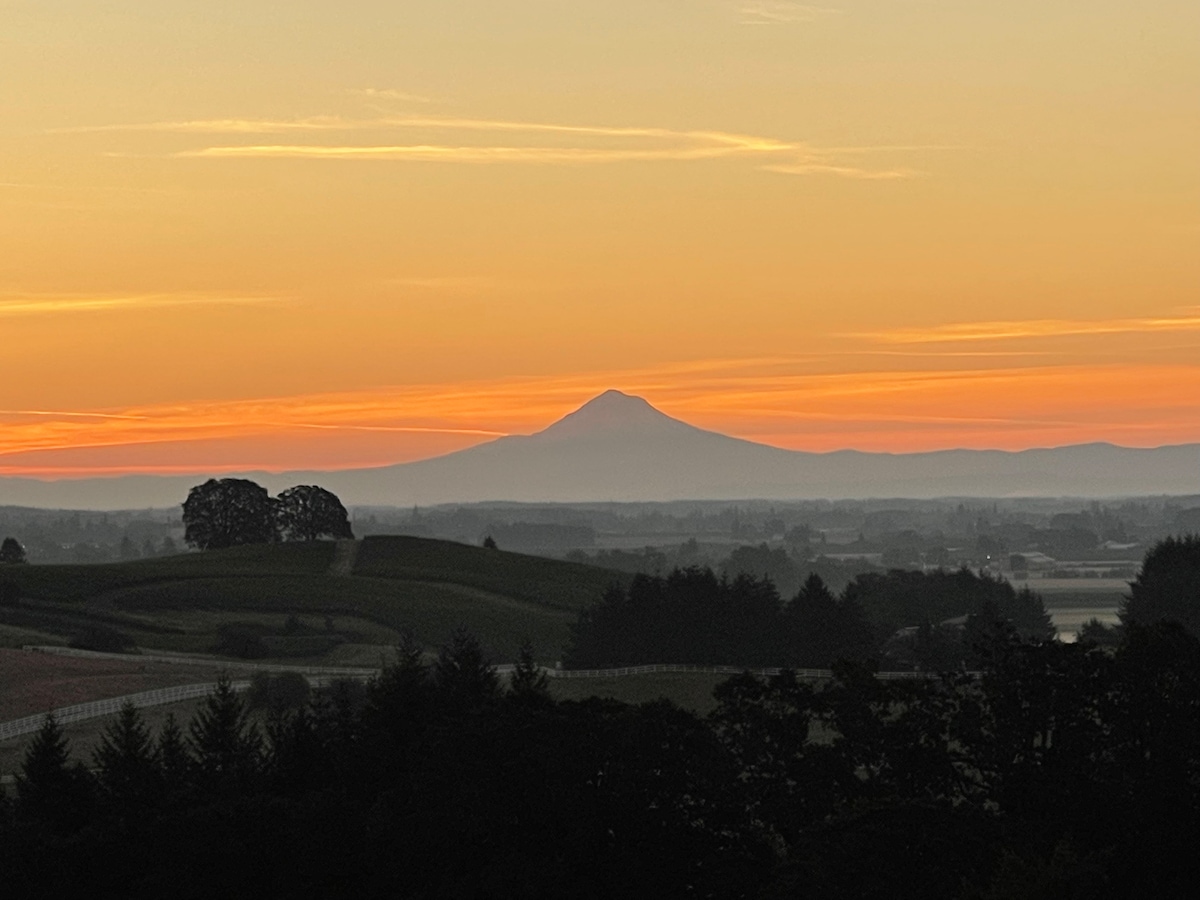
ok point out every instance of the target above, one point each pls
(548, 582)
(289, 597)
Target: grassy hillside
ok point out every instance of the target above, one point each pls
(549, 582)
(285, 597)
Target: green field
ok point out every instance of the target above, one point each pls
(286, 594)
(546, 582)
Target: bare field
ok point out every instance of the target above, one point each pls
(1048, 586)
(32, 683)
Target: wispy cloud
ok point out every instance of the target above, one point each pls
(543, 143)
(39, 305)
(842, 171)
(395, 411)
(1032, 328)
(390, 94)
(223, 126)
(780, 12)
(537, 143)
(68, 414)
(338, 123)
(783, 400)
(460, 154)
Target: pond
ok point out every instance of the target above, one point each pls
(1069, 619)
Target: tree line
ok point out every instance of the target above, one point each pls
(693, 616)
(899, 619)
(229, 512)
(1061, 771)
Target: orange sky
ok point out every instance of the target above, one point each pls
(306, 236)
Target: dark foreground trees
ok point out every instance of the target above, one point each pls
(1168, 586)
(692, 616)
(1063, 770)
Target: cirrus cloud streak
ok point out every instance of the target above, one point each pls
(595, 144)
(780, 12)
(1032, 328)
(783, 401)
(54, 304)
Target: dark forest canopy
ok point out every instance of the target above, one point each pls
(1168, 586)
(1062, 770)
(905, 619)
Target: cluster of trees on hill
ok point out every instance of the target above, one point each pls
(11, 552)
(228, 512)
(914, 619)
(1062, 771)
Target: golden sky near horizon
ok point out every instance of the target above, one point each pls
(316, 235)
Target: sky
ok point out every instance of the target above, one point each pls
(307, 234)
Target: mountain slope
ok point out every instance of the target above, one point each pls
(620, 448)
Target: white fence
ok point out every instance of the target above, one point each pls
(650, 670)
(806, 674)
(321, 676)
(332, 671)
(97, 708)
(504, 669)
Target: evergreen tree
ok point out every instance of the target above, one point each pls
(45, 764)
(1168, 586)
(528, 682)
(299, 756)
(174, 760)
(1096, 632)
(51, 793)
(820, 629)
(462, 674)
(1026, 612)
(400, 703)
(128, 771)
(225, 745)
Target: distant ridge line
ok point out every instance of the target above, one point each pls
(619, 448)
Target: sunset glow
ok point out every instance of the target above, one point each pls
(252, 236)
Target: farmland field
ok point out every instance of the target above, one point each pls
(32, 683)
(285, 600)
